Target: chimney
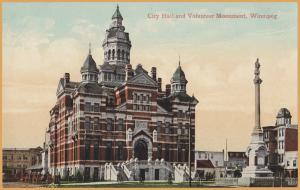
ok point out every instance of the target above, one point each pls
(153, 73)
(159, 84)
(67, 77)
(168, 89)
(128, 72)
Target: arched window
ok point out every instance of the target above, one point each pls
(118, 54)
(113, 54)
(122, 54)
(109, 54)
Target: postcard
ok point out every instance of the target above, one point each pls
(149, 94)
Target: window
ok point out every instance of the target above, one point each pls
(287, 163)
(96, 107)
(159, 151)
(167, 129)
(87, 106)
(158, 127)
(96, 123)
(217, 163)
(120, 151)
(211, 155)
(87, 151)
(134, 107)
(180, 113)
(120, 125)
(294, 163)
(96, 151)
(109, 124)
(87, 123)
(179, 131)
(75, 150)
(108, 151)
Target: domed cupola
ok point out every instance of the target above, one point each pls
(283, 117)
(178, 80)
(89, 71)
(116, 44)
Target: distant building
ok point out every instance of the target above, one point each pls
(237, 160)
(209, 162)
(282, 143)
(17, 160)
(216, 158)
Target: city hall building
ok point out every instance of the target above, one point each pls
(118, 121)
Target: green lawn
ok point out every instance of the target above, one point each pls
(135, 184)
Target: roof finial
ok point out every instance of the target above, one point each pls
(179, 60)
(90, 48)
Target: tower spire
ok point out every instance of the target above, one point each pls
(90, 52)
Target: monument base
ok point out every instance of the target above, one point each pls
(256, 172)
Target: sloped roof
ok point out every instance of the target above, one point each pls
(204, 164)
(117, 14)
(284, 113)
(93, 88)
(89, 65)
(179, 75)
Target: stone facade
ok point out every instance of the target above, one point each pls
(117, 113)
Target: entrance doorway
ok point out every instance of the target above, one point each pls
(142, 174)
(156, 174)
(141, 150)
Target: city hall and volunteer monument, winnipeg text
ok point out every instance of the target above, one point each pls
(118, 122)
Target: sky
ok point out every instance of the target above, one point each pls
(42, 41)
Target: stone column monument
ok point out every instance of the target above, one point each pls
(257, 151)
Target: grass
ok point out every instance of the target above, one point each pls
(135, 184)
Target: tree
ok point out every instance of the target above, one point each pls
(237, 173)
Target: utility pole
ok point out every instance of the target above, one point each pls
(226, 159)
(190, 146)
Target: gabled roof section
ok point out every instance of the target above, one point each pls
(90, 88)
(63, 86)
(142, 79)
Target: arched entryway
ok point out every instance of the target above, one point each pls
(141, 149)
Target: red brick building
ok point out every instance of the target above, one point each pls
(282, 143)
(116, 113)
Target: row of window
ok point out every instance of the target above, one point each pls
(11, 157)
(91, 77)
(141, 98)
(113, 77)
(182, 114)
(91, 108)
(120, 55)
(294, 163)
(88, 125)
(141, 107)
